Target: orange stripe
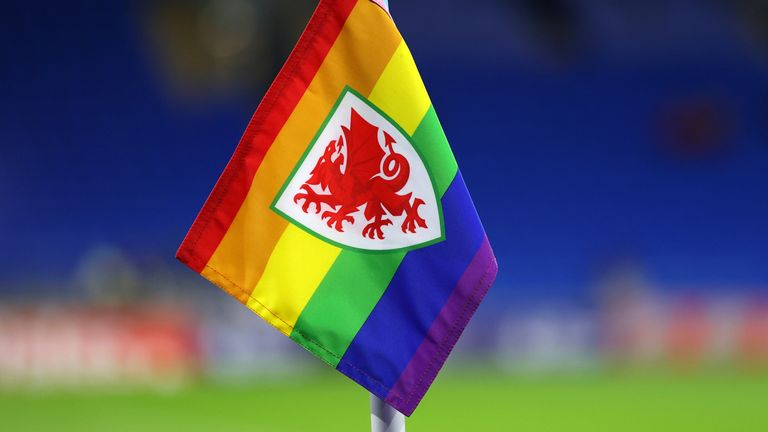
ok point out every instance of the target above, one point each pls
(286, 91)
(357, 59)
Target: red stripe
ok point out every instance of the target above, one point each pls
(283, 95)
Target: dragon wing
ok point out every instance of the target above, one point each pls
(364, 154)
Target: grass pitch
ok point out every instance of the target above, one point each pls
(459, 401)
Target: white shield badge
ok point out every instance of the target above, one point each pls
(362, 184)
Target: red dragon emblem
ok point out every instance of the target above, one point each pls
(356, 170)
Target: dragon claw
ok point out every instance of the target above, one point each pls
(307, 202)
(310, 197)
(336, 219)
(373, 229)
(411, 223)
(412, 219)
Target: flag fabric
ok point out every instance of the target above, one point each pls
(342, 218)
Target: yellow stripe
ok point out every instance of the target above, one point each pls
(400, 91)
(300, 260)
(295, 269)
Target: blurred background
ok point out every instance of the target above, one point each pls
(617, 153)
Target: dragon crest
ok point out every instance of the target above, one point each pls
(357, 170)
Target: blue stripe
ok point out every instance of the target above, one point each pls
(425, 279)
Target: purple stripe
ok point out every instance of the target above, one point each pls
(445, 331)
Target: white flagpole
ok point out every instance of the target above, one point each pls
(384, 418)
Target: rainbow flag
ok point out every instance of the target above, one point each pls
(342, 218)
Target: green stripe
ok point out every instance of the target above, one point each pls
(343, 301)
(357, 280)
(432, 144)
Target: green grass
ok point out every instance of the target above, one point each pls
(457, 402)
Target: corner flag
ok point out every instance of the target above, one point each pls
(342, 218)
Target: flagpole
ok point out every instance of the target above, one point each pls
(384, 418)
